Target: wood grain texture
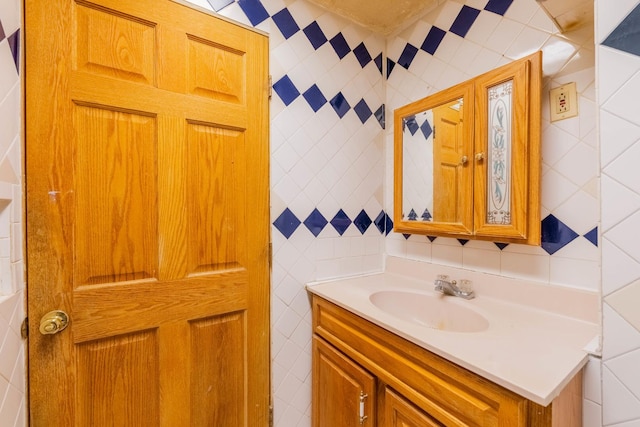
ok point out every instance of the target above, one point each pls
(147, 214)
(443, 391)
(401, 413)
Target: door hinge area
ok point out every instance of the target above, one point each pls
(270, 86)
(270, 415)
(24, 328)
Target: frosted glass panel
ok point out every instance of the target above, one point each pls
(499, 154)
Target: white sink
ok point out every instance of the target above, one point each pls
(432, 311)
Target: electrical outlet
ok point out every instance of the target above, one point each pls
(564, 102)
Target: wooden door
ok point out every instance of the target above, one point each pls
(343, 392)
(147, 215)
(398, 412)
(448, 151)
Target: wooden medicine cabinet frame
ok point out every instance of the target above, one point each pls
(523, 79)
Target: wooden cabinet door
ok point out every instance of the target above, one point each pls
(398, 412)
(147, 215)
(343, 392)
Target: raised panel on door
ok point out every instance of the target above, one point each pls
(398, 412)
(147, 222)
(338, 385)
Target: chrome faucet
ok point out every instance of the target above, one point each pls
(451, 287)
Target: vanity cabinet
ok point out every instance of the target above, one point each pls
(364, 375)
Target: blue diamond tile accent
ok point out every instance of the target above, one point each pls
(426, 129)
(431, 238)
(406, 236)
(315, 222)
(626, 36)
(315, 35)
(390, 66)
(287, 223)
(378, 62)
(388, 224)
(14, 45)
(254, 10)
(286, 90)
(315, 98)
(340, 45)
(380, 116)
(498, 6)
(363, 111)
(501, 246)
(555, 234)
(340, 104)
(411, 124)
(463, 241)
(362, 222)
(2, 33)
(362, 55)
(407, 56)
(413, 216)
(592, 236)
(380, 221)
(433, 40)
(464, 21)
(341, 222)
(426, 215)
(218, 5)
(285, 23)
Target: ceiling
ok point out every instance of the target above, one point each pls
(387, 16)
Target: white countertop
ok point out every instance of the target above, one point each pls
(530, 351)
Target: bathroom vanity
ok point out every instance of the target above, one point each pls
(510, 365)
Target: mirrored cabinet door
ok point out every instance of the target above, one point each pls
(467, 159)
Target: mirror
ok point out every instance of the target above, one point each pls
(435, 138)
(467, 159)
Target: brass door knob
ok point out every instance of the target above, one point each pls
(53, 322)
(464, 160)
(479, 156)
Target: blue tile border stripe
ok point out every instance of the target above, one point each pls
(287, 223)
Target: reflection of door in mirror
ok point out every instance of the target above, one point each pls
(448, 161)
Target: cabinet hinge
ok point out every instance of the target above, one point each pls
(270, 254)
(434, 132)
(24, 328)
(270, 86)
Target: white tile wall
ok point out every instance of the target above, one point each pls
(619, 135)
(12, 347)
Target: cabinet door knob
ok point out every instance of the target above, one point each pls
(464, 160)
(479, 157)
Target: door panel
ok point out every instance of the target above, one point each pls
(147, 215)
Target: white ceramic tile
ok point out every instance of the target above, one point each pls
(624, 102)
(446, 253)
(556, 143)
(615, 68)
(609, 17)
(619, 337)
(625, 303)
(529, 41)
(9, 116)
(592, 380)
(556, 189)
(521, 266)
(484, 25)
(623, 239)
(447, 14)
(591, 414)
(12, 405)
(579, 165)
(581, 211)
(619, 404)
(616, 135)
(618, 202)
(522, 10)
(503, 36)
(487, 261)
(625, 368)
(541, 21)
(618, 268)
(578, 273)
(466, 55)
(556, 52)
(448, 47)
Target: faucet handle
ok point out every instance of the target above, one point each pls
(465, 286)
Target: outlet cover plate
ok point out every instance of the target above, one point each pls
(569, 105)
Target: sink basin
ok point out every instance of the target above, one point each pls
(437, 312)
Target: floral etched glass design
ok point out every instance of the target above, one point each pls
(499, 154)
